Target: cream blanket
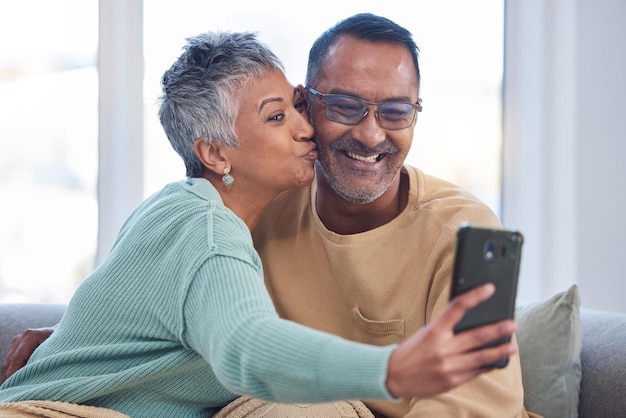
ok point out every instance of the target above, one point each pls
(247, 407)
(51, 409)
(244, 406)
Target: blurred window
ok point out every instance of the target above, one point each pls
(48, 147)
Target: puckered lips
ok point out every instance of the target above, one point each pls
(312, 153)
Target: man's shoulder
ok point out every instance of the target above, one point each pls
(447, 201)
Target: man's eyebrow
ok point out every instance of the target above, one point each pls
(403, 99)
(269, 100)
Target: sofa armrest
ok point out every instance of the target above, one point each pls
(603, 358)
(16, 317)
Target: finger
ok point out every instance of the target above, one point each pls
(472, 364)
(471, 339)
(3, 372)
(22, 346)
(6, 365)
(14, 363)
(458, 306)
(13, 366)
(482, 358)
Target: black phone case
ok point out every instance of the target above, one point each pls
(487, 255)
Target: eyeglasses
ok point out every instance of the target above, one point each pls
(350, 110)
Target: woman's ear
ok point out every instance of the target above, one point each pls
(211, 154)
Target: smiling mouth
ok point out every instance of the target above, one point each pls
(365, 158)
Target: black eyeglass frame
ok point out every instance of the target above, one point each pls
(417, 107)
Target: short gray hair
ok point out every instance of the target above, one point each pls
(201, 90)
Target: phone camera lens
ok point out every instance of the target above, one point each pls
(489, 250)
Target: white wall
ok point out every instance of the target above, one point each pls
(564, 146)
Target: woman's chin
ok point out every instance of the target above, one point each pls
(304, 180)
(309, 178)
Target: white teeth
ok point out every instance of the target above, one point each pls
(369, 159)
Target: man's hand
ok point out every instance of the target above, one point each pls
(435, 359)
(22, 346)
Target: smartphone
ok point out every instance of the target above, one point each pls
(487, 255)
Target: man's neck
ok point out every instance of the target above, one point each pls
(343, 217)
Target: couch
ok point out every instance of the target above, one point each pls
(573, 360)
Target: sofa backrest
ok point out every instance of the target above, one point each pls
(603, 358)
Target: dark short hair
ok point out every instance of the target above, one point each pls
(364, 26)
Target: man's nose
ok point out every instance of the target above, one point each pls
(368, 131)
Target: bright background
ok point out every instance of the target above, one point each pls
(49, 111)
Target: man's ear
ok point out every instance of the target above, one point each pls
(211, 154)
(306, 100)
(304, 94)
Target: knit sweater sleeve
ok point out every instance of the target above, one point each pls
(231, 322)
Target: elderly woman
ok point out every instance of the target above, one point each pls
(176, 321)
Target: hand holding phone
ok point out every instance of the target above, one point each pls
(487, 255)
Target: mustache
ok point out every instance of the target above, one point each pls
(352, 145)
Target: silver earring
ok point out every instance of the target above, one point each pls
(227, 179)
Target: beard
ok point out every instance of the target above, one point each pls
(359, 186)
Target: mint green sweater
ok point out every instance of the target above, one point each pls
(177, 321)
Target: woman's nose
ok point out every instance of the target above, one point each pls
(305, 129)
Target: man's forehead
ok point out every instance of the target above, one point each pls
(357, 54)
(353, 65)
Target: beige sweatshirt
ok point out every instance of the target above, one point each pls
(382, 285)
